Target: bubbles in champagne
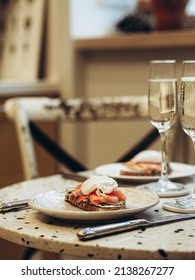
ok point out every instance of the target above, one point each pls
(187, 106)
(162, 102)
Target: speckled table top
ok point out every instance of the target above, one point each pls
(33, 229)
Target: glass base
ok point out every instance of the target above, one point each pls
(181, 205)
(187, 203)
(170, 189)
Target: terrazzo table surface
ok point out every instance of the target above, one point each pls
(33, 229)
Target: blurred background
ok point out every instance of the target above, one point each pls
(86, 48)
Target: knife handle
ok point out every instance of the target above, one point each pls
(92, 232)
(7, 206)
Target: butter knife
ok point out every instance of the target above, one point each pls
(74, 176)
(13, 205)
(20, 204)
(97, 231)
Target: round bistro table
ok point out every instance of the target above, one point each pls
(32, 229)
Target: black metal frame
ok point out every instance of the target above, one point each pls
(73, 164)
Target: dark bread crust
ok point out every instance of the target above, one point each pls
(132, 173)
(69, 197)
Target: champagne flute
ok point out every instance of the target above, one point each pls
(162, 105)
(187, 115)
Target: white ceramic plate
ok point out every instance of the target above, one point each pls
(179, 170)
(53, 204)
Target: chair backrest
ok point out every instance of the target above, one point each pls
(22, 111)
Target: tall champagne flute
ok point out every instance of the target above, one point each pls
(187, 114)
(162, 106)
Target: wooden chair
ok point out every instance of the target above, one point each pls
(24, 112)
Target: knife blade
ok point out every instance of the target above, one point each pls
(74, 176)
(102, 230)
(20, 204)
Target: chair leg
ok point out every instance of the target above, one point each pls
(28, 253)
(62, 156)
(57, 152)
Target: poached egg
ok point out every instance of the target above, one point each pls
(103, 183)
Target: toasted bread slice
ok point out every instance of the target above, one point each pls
(131, 168)
(86, 206)
(131, 173)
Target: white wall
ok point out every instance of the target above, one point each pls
(92, 18)
(190, 9)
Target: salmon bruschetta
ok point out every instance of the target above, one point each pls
(98, 193)
(146, 163)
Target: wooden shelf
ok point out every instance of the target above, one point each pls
(168, 39)
(18, 88)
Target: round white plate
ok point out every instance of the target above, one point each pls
(53, 204)
(179, 170)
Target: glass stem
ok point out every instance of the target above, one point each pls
(164, 177)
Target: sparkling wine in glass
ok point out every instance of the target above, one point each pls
(162, 106)
(187, 114)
